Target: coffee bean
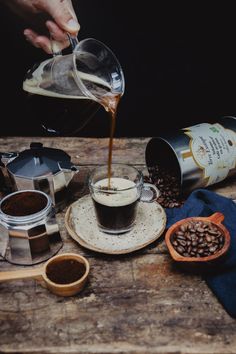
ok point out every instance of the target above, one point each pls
(212, 249)
(188, 236)
(212, 232)
(182, 228)
(180, 237)
(197, 239)
(180, 249)
(221, 239)
(200, 230)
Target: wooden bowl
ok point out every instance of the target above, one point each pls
(200, 261)
(71, 288)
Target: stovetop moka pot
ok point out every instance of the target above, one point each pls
(41, 168)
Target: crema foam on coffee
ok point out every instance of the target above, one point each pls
(115, 199)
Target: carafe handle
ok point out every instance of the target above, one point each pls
(73, 43)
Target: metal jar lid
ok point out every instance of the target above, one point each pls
(39, 161)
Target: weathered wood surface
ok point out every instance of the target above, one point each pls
(137, 303)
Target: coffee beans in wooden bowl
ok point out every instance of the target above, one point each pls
(198, 239)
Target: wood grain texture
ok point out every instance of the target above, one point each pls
(136, 303)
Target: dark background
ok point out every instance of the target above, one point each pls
(179, 66)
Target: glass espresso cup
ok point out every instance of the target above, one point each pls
(116, 198)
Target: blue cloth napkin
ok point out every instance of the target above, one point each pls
(203, 202)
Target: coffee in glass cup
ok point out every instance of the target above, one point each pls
(116, 196)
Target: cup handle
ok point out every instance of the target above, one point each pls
(149, 193)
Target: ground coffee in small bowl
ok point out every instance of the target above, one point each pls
(65, 271)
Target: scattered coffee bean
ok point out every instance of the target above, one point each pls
(168, 186)
(197, 239)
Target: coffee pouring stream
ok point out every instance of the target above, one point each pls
(87, 78)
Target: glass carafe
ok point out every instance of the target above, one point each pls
(65, 91)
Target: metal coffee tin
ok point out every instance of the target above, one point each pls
(199, 155)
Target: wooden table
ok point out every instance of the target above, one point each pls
(134, 303)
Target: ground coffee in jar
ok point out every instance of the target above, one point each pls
(24, 203)
(29, 226)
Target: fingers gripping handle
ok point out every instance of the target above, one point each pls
(73, 41)
(57, 51)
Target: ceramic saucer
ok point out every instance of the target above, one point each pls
(80, 222)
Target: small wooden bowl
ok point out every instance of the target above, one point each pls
(200, 262)
(68, 289)
(40, 274)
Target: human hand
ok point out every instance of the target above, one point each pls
(57, 16)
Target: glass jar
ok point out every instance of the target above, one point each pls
(29, 227)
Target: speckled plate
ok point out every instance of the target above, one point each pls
(80, 222)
